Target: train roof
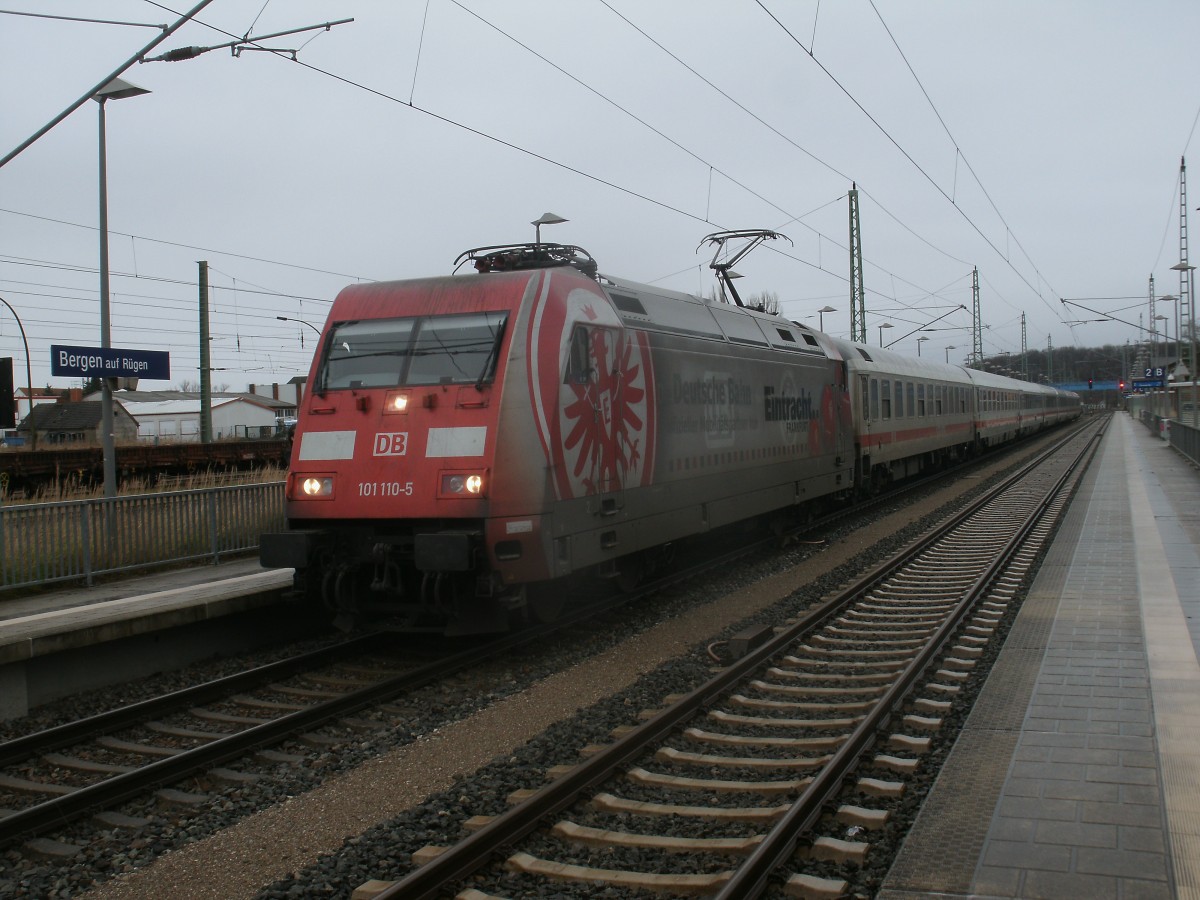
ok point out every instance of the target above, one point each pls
(890, 362)
(659, 309)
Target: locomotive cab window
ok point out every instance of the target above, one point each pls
(374, 353)
(579, 364)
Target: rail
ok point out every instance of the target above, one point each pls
(42, 543)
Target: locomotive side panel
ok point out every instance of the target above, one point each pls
(655, 426)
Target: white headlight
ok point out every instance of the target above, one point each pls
(317, 487)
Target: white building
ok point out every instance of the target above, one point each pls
(164, 416)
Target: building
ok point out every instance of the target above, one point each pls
(175, 415)
(292, 392)
(25, 398)
(73, 422)
(65, 415)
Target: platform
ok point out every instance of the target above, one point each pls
(39, 633)
(1078, 772)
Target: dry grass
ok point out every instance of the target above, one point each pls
(72, 489)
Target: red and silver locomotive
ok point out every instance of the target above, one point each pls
(466, 440)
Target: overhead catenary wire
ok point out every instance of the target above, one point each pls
(911, 160)
(667, 206)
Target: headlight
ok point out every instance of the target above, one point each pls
(395, 403)
(462, 485)
(317, 487)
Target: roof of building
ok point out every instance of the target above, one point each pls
(80, 416)
(139, 398)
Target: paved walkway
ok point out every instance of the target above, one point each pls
(1078, 774)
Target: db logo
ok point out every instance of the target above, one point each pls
(391, 444)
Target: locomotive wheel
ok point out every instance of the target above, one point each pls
(544, 602)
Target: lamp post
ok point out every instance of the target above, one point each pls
(881, 327)
(301, 322)
(1166, 357)
(28, 370)
(821, 312)
(922, 339)
(117, 89)
(948, 349)
(548, 218)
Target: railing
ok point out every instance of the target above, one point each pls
(42, 543)
(1183, 438)
(1186, 440)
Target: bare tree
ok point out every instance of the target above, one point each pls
(767, 301)
(188, 386)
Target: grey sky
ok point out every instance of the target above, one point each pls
(294, 180)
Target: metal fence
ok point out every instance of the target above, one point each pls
(1186, 439)
(1183, 438)
(42, 543)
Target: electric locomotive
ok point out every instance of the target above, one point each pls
(466, 440)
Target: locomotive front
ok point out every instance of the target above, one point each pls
(390, 493)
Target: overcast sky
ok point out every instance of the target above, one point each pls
(1039, 141)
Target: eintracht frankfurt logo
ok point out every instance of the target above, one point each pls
(597, 430)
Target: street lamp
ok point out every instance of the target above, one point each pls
(922, 339)
(821, 312)
(301, 322)
(1166, 361)
(117, 89)
(881, 327)
(948, 349)
(28, 370)
(545, 219)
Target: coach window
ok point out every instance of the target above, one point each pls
(885, 398)
(910, 398)
(921, 400)
(874, 398)
(899, 406)
(941, 397)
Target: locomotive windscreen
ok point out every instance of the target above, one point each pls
(412, 351)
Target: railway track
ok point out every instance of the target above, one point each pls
(733, 788)
(136, 749)
(145, 747)
(188, 735)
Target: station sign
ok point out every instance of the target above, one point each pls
(109, 362)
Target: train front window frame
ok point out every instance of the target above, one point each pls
(413, 351)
